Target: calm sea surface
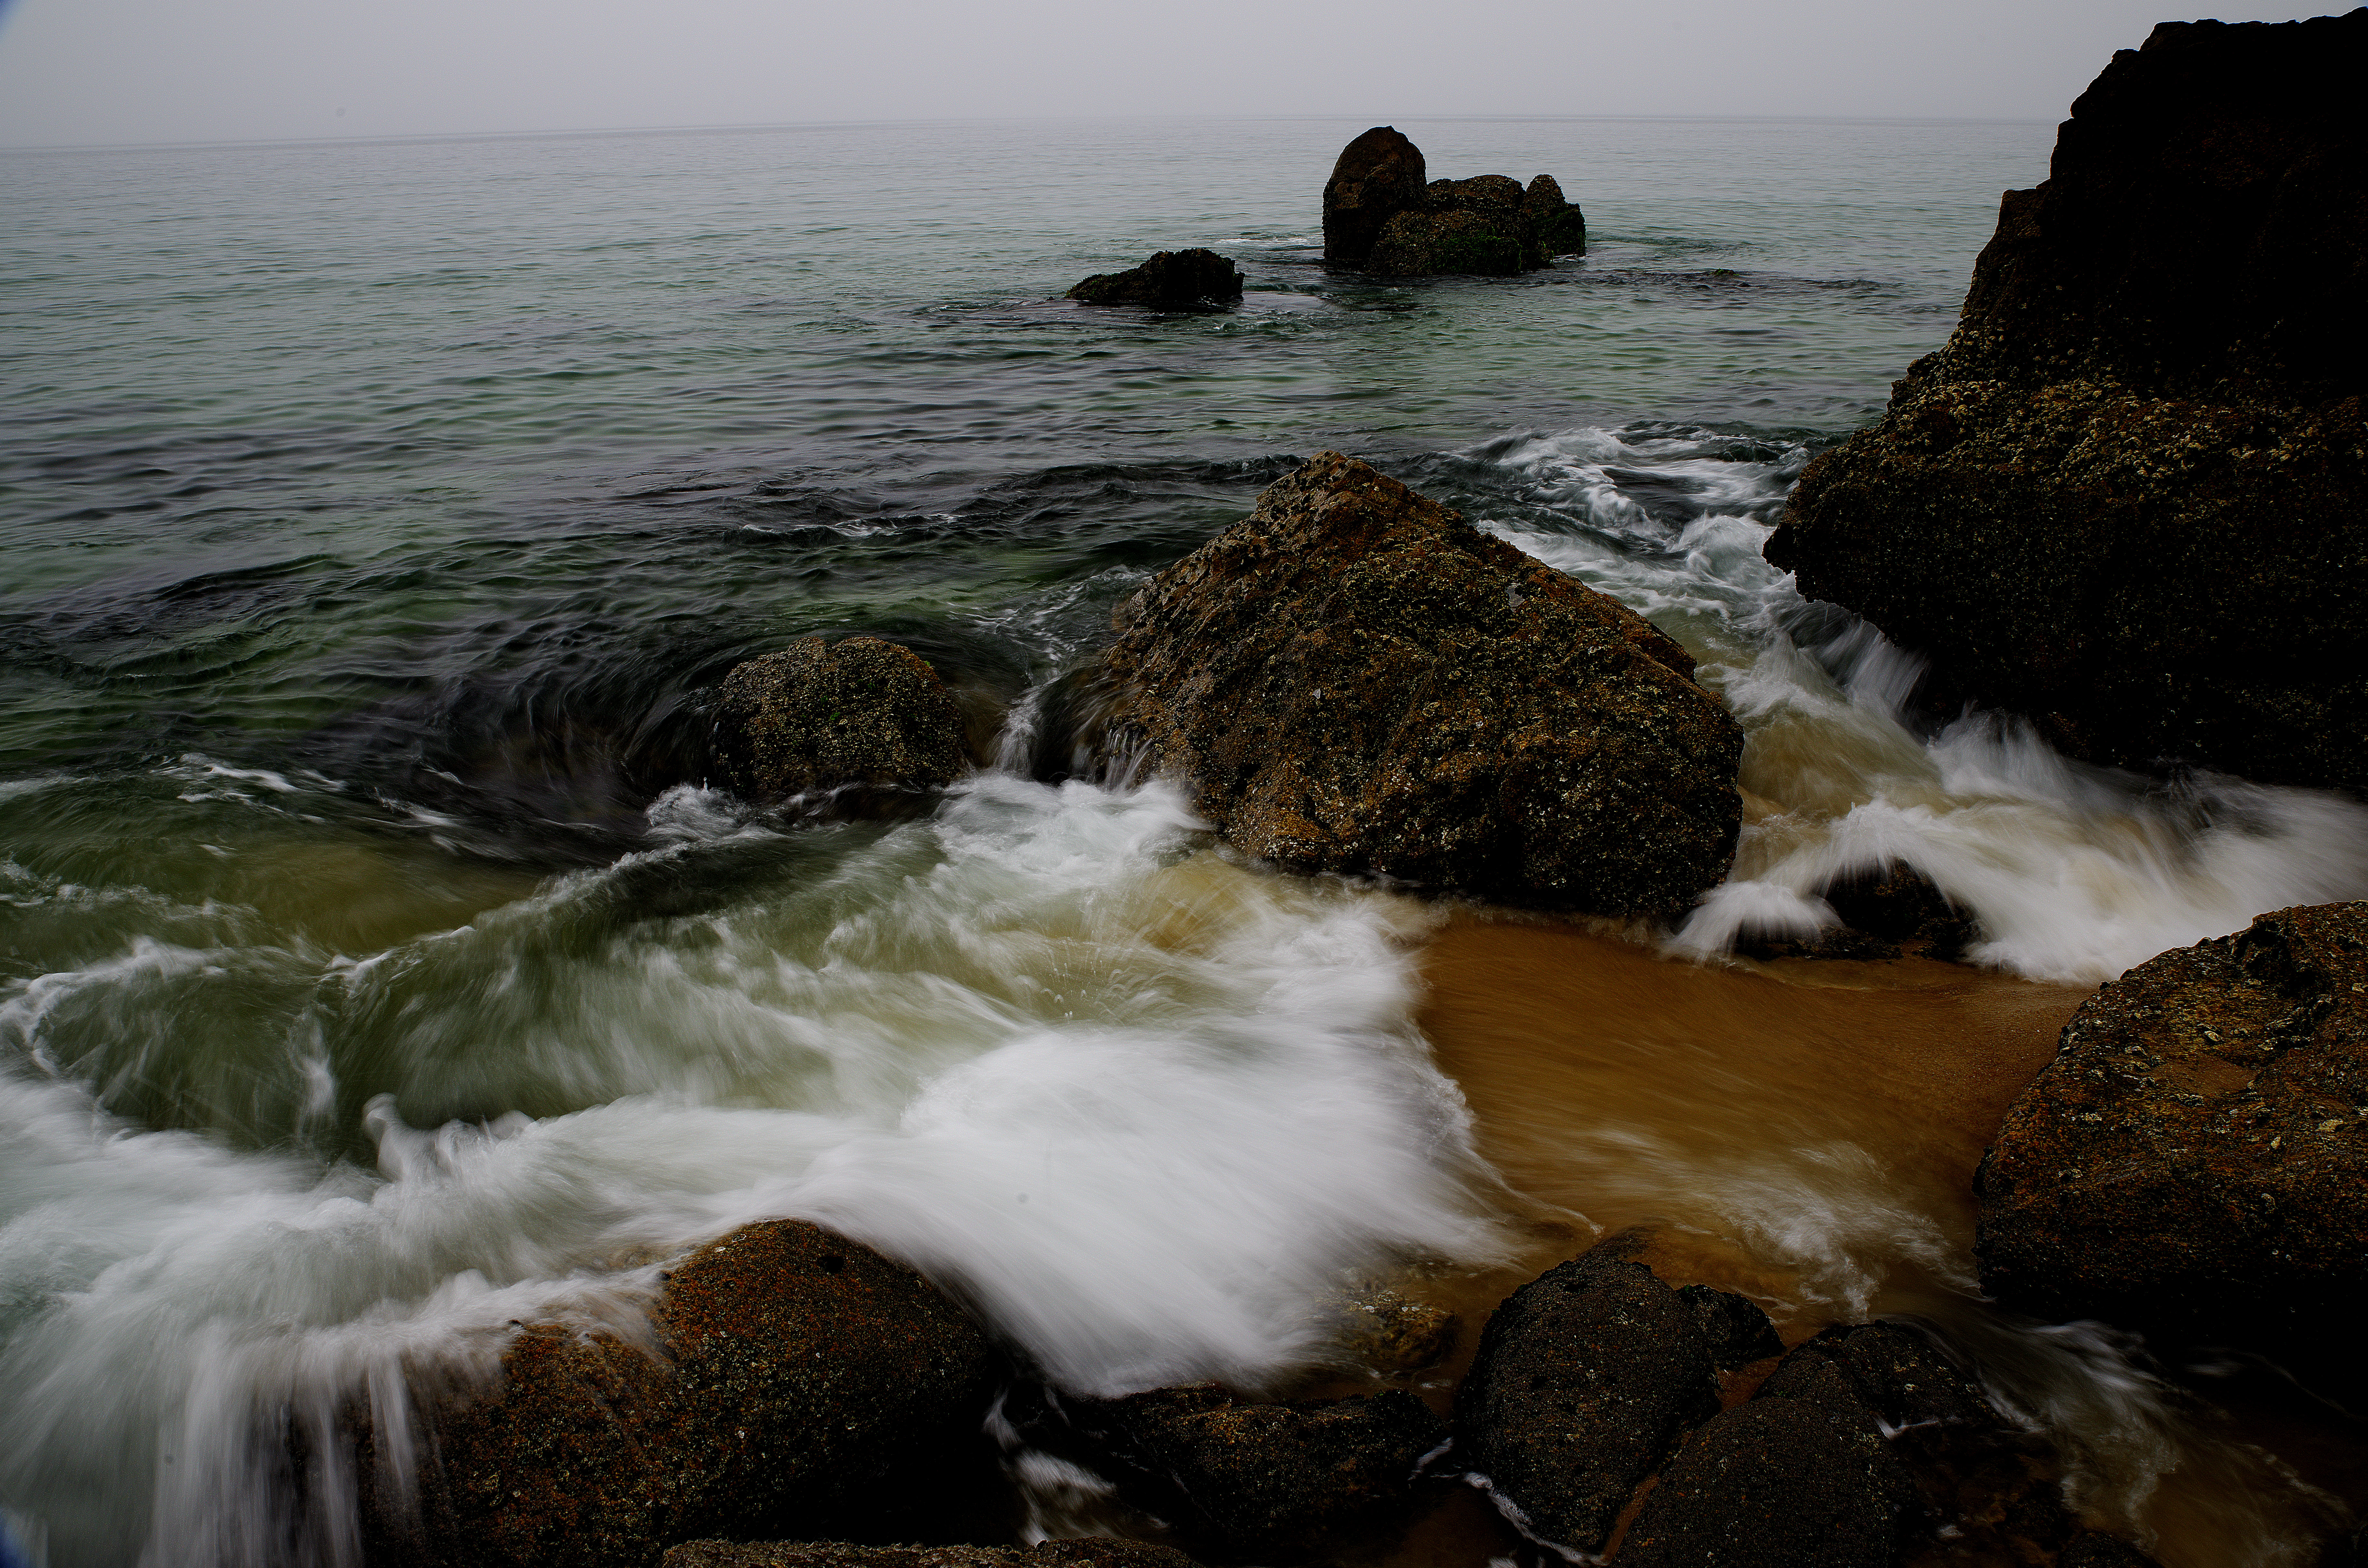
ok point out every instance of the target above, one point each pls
(375, 969)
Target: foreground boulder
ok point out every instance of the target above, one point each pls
(2126, 498)
(1246, 1481)
(1381, 214)
(1170, 280)
(2195, 1159)
(796, 1371)
(1586, 1378)
(863, 718)
(1355, 679)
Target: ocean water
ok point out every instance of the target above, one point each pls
(377, 967)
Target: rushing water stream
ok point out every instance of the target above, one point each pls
(376, 969)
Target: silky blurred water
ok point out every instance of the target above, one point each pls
(375, 967)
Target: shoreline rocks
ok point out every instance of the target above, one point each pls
(1169, 280)
(796, 1370)
(1355, 679)
(2125, 498)
(2194, 1161)
(1383, 214)
(862, 722)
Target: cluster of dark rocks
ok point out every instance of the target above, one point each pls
(808, 1404)
(1384, 214)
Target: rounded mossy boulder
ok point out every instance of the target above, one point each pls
(861, 715)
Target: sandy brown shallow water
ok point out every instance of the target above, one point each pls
(1806, 1133)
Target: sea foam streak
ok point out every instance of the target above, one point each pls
(2074, 872)
(1138, 1103)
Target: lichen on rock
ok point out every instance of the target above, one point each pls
(1356, 680)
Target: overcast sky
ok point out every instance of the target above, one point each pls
(109, 71)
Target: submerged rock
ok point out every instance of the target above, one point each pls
(2195, 1159)
(861, 715)
(1260, 1482)
(1354, 678)
(794, 1371)
(1098, 1552)
(1380, 215)
(1584, 1380)
(2125, 498)
(1169, 280)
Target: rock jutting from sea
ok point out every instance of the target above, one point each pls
(1380, 213)
(856, 725)
(2129, 498)
(1169, 280)
(1355, 679)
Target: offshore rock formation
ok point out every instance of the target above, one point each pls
(2195, 1159)
(1380, 214)
(1353, 678)
(795, 1370)
(2127, 498)
(1169, 280)
(861, 716)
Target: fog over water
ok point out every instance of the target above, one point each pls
(90, 72)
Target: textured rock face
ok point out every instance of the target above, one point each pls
(1169, 280)
(1356, 680)
(1376, 176)
(798, 1368)
(2126, 498)
(2196, 1158)
(1380, 215)
(1262, 1482)
(818, 717)
(1586, 1377)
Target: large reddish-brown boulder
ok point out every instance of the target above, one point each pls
(2127, 498)
(2195, 1159)
(1377, 177)
(1354, 678)
(795, 1371)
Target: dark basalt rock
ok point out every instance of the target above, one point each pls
(1265, 1483)
(2093, 1549)
(1170, 280)
(2195, 1159)
(1098, 1552)
(1585, 1378)
(1377, 177)
(796, 1370)
(2125, 498)
(1355, 679)
(1380, 215)
(863, 718)
(1736, 1331)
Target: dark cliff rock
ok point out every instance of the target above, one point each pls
(1354, 678)
(796, 1371)
(863, 717)
(2195, 1159)
(1250, 1482)
(1096, 1552)
(1377, 177)
(1585, 1378)
(1380, 214)
(1169, 280)
(2127, 498)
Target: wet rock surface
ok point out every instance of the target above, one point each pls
(1356, 680)
(862, 718)
(1169, 280)
(795, 1372)
(1584, 1380)
(1381, 215)
(1251, 1481)
(2125, 499)
(2195, 1159)
(1100, 1553)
